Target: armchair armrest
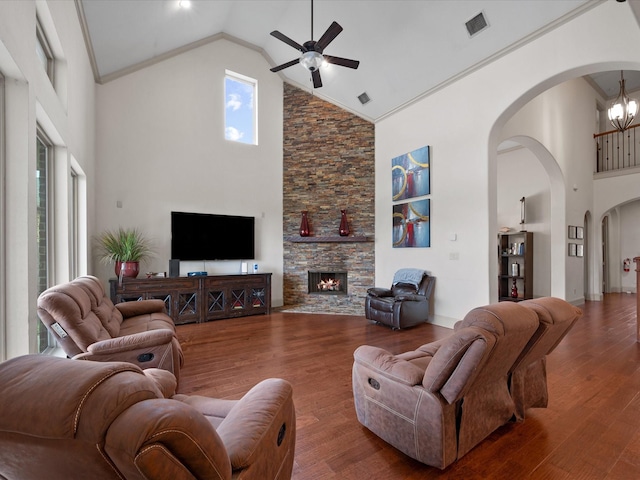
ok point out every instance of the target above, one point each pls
(141, 307)
(456, 362)
(261, 427)
(389, 365)
(432, 348)
(164, 438)
(410, 298)
(380, 292)
(135, 341)
(151, 349)
(164, 380)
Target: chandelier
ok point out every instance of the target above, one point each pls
(623, 109)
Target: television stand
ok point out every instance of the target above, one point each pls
(201, 298)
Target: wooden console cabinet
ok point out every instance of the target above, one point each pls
(200, 299)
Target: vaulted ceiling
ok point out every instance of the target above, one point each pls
(406, 48)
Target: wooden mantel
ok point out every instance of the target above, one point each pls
(637, 260)
(325, 239)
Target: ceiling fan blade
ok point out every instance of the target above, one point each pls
(343, 62)
(328, 36)
(287, 40)
(285, 65)
(317, 82)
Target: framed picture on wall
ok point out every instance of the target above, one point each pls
(579, 232)
(572, 231)
(412, 224)
(410, 174)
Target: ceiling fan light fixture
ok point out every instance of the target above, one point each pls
(623, 109)
(312, 52)
(311, 60)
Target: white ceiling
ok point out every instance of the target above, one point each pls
(406, 48)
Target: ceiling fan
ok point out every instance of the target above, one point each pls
(312, 56)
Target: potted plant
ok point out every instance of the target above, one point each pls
(126, 247)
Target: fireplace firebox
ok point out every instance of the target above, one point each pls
(327, 283)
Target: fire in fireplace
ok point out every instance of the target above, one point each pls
(331, 283)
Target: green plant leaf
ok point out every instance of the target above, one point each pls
(123, 245)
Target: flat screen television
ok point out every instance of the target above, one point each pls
(202, 236)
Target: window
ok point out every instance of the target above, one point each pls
(77, 211)
(43, 50)
(75, 225)
(43, 163)
(240, 107)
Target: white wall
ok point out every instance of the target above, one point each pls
(67, 116)
(464, 156)
(161, 148)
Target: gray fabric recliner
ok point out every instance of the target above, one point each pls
(408, 302)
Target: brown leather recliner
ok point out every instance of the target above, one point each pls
(437, 402)
(88, 326)
(408, 302)
(528, 380)
(62, 419)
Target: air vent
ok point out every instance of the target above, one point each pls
(364, 98)
(476, 24)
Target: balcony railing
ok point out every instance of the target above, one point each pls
(617, 150)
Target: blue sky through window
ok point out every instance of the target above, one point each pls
(239, 110)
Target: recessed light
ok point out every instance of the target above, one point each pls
(184, 3)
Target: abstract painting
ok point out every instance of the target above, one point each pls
(411, 224)
(410, 174)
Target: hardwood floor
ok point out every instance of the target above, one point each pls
(589, 431)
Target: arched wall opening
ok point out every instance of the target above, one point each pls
(620, 239)
(572, 184)
(613, 195)
(544, 211)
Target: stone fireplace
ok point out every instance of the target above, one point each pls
(328, 165)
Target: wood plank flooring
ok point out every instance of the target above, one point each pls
(589, 431)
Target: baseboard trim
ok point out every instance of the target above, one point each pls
(443, 321)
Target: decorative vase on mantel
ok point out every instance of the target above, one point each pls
(344, 224)
(304, 225)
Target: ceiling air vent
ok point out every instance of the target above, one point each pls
(364, 98)
(476, 24)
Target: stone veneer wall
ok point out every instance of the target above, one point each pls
(328, 166)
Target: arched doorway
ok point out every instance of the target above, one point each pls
(539, 190)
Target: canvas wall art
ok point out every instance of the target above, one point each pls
(411, 224)
(410, 174)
